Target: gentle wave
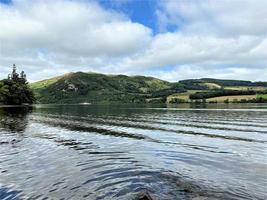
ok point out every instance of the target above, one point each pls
(76, 152)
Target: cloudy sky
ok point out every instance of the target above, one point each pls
(168, 39)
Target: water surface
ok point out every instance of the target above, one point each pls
(115, 152)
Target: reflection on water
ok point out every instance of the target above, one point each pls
(116, 152)
(14, 119)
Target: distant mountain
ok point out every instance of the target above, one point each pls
(83, 87)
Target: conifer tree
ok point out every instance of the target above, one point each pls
(15, 89)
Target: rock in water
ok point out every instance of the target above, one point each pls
(144, 196)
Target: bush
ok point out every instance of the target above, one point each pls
(226, 101)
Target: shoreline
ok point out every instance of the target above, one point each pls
(130, 104)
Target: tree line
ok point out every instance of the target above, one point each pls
(220, 93)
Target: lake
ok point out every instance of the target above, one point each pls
(115, 152)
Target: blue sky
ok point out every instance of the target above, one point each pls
(168, 39)
(139, 11)
(5, 1)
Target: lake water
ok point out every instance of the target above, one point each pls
(115, 152)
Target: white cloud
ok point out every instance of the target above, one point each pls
(224, 17)
(222, 39)
(71, 27)
(65, 33)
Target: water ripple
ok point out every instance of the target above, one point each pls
(85, 152)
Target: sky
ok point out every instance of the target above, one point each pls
(167, 39)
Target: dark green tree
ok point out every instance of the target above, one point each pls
(15, 90)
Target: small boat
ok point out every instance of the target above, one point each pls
(85, 103)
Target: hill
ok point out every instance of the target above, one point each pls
(83, 87)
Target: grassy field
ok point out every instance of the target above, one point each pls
(231, 98)
(183, 96)
(264, 96)
(211, 86)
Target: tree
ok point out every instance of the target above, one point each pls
(15, 90)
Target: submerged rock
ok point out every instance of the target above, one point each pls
(144, 196)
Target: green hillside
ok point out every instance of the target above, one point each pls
(45, 83)
(83, 87)
(91, 87)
